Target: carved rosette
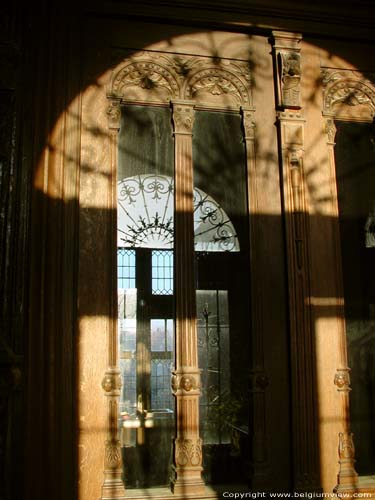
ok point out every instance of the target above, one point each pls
(112, 382)
(188, 452)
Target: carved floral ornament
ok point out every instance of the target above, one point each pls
(346, 88)
(163, 78)
(188, 452)
(112, 454)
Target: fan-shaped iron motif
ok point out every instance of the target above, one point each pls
(145, 216)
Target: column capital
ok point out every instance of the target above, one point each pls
(183, 117)
(114, 114)
(248, 121)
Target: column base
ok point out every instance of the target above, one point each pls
(347, 482)
(113, 487)
(188, 481)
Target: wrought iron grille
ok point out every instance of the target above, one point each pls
(145, 216)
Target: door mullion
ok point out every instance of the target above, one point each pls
(186, 378)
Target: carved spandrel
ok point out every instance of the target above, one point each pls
(344, 89)
(217, 82)
(145, 75)
(162, 78)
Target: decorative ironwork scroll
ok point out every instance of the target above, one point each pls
(145, 216)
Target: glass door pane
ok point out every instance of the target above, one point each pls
(145, 295)
(355, 172)
(223, 302)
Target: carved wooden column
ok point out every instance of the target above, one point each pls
(113, 486)
(347, 477)
(186, 377)
(258, 378)
(303, 370)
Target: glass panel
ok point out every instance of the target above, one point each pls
(355, 170)
(161, 395)
(162, 341)
(162, 272)
(145, 216)
(222, 274)
(219, 170)
(125, 268)
(214, 355)
(158, 335)
(145, 294)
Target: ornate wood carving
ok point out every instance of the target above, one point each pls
(188, 445)
(197, 79)
(347, 95)
(114, 114)
(219, 81)
(183, 80)
(342, 379)
(186, 382)
(147, 75)
(259, 467)
(287, 62)
(113, 486)
(188, 452)
(343, 89)
(347, 477)
(291, 142)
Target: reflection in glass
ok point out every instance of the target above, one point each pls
(214, 355)
(355, 171)
(145, 294)
(145, 216)
(222, 294)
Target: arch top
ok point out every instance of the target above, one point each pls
(348, 95)
(157, 78)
